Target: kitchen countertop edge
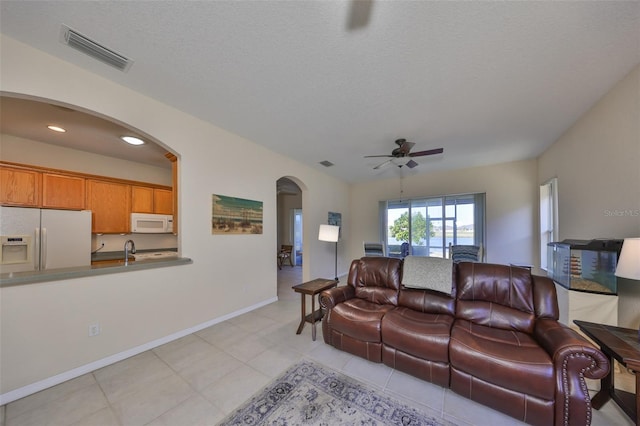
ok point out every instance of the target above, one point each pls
(24, 278)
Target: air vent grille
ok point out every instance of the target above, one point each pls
(89, 47)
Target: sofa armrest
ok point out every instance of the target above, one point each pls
(574, 359)
(333, 296)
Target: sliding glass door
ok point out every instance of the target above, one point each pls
(429, 225)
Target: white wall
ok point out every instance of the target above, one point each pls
(44, 326)
(597, 163)
(511, 198)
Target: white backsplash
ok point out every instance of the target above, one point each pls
(115, 242)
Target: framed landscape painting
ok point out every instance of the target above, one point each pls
(335, 219)
(235, 216)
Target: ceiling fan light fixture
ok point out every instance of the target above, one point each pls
(132, 140)
(56, 128)
(403, 153)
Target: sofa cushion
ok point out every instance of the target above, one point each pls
(505, 358)
(419, 334)
(432, 273)
(376, 279)
(427, 301)
(495, 295)
(359, 319)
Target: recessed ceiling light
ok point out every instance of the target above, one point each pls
(56, 129)
(132, 140)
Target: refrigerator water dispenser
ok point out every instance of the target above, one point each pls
(16, 249)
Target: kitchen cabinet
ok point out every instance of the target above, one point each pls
(63, 192)
(20, 187)
(111, 200)
(110, 203)
(141, 199)
(162, 201)
(151, 200)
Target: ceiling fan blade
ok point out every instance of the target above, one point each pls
(405, 147)
(378, 156)
(411, 164)
(427, 152)
(382, 164)
(359, 14)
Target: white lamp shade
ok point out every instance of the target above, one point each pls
(329, 233)
(629, 261)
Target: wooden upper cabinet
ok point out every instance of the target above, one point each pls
(111, 200)
(20, 187)
(141, 199)
(111, 206)
(162, 201)
(63, 192)
(151, 200)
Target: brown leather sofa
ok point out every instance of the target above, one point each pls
(495, 339)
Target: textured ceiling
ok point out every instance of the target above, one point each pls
(487, 81)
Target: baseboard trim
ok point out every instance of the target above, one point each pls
(87, 368)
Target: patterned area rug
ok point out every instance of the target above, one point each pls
(308, 394)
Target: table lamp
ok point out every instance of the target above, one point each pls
(629, 262)
(330, 233)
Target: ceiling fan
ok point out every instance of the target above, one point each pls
(403, 151)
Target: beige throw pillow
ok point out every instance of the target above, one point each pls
(432, 273)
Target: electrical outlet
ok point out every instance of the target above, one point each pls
(94, 329)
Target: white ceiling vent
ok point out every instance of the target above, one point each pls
(95, 50)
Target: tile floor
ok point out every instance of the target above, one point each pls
(199, 379)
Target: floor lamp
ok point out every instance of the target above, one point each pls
(330, 233)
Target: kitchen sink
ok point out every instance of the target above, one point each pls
(154, 255)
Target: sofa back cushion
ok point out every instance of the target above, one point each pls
(495, 295)
(376, 279)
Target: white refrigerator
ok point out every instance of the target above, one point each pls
(36, 239)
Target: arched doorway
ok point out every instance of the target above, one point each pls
(290, 233)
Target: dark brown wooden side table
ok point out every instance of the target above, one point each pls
(312, 288)
(620, 344)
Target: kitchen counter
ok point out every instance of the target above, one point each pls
(119, 255)
(31, 277)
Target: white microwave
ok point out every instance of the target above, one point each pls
(146, 223)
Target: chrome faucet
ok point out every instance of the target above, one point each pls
(126, 250)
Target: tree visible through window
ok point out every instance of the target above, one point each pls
(400, 228)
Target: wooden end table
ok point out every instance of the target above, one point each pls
(620, 344)
(312, 288)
